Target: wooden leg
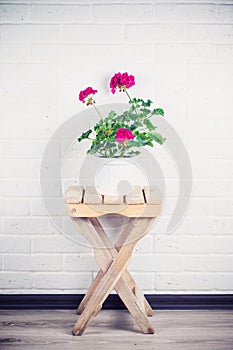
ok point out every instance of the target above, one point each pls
(111, 279)
(140, 297)
(130, 282)
(88, 295)
(108, 281)
(127, 276)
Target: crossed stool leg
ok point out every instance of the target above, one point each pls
(113, 261)
(106, 244)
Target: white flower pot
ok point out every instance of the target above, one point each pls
(118, 176)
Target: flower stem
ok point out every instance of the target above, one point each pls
(97, 111)
(127, 93)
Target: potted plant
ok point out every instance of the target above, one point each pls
(119, 137)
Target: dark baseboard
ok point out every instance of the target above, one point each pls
(157, 301)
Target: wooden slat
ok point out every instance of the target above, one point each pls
(91, 196)
(74, 194)
(133, 210)
(107, 199)
(94, 206)
(136, 197)
(153, 195)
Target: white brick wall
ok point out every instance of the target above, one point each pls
(181, 53)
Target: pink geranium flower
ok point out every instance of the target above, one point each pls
(121, 81)
(123, 135)
(87, 94)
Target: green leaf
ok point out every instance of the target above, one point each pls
(141, 101)
(149, 102)
(157, 137)
(133, 153)
(146, 103)
(158, 111)
(84, 135)
(135, 100)
(135, 126)
(149, 124)
(146, 111)
(111, 115)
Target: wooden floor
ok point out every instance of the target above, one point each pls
(111, 329)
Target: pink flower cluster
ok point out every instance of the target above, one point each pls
(121, 81)
(123, 135)
(86, 93)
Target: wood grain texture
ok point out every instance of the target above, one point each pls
(88, 295)
(113, 260)
(95, 210)
(110, 199)
(114, 269)
(94, 204)
(74, 194)
(97, 241)
(91, 196)
(136, 197)
(105, 257)
(126, 275)
(152, 195)
(115, 329)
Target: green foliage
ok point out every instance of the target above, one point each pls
(136, 119)
(85, 135)
(157, 111)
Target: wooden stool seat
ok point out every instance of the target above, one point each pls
(142, 206)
